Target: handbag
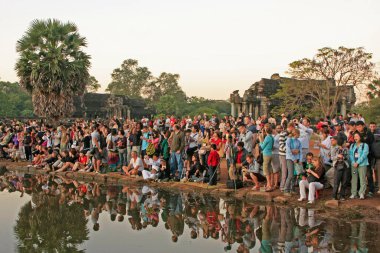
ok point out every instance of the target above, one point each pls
(150, 150)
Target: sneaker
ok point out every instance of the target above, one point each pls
(342, 199)
(370, 195)
(361, 196)
(310, 202)
(353, 197)
(301, 199)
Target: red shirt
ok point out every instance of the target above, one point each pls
(213, 158)
(82, 160)
(239, 156)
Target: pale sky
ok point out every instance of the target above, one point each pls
(216, 46)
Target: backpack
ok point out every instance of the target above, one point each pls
(150, 150)
(102, 141)
(27, 140)
(234, 184)
(376, 147)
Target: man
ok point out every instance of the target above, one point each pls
(368, 138)
(339, 133)
(239, 155)
(177, 146)
(246, 137)
(252, 173)
(282, 151)
(97, 151)
(305, 135)
(276, 163)
(376, 151)
(135, 166)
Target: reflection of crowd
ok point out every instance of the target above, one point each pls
(234, 223)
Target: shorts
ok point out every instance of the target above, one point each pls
(276, 166)
(267, 166)
(190, 152)
(259, 177)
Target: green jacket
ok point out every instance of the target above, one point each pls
(165, 149)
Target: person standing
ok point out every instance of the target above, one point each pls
(276, 164)
(305, 135)
(359, 162)
(266, 144)
(213, 162)
(177, 140)
(368, 138)
(293, 156)
(246, 137)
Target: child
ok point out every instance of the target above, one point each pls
(339, 157)
(213, 162)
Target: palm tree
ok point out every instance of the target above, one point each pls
(52, 66)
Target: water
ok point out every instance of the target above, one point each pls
(66, 216)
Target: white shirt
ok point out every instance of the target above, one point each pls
(137, 162)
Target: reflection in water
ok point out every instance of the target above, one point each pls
(56, 218)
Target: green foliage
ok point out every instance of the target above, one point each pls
(92, 85)
(370, 110)
(130, 79)
(14, 101)
(292, 99)
(52, 66)
(373, 89)
(50, 226)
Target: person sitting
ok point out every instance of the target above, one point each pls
(135, 166)
(151, 174)
(164, 173)
(239, 156)
(312, 180)
(69, 161)
(82, 161)
(251, 173)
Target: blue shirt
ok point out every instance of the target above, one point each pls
(291, 144)
(267, 145)
(144, 143)
(359, 154)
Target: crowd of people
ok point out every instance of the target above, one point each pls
(268, 153)
(233, 223)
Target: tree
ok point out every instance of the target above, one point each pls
(50, 226)
(129, 79)
(14, 100)
(335, 69)
(373, 89)
(52, 66)
(92, 85)
(169, 104)
(165, 84)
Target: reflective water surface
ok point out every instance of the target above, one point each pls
(46, 214)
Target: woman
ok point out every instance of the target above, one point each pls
(359, 162)
(122, 147)
(293, 156)
(64, 139)
(324, 147)
(313, 181)
(266, 145)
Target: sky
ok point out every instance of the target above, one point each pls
(215, 46)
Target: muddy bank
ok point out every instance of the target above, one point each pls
(368, 209)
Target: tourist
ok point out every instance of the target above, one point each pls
(340, 165)
(96, 149)
(305, 135)
(288, 128)
(293, 156)
(213, 161)
(252, 172)
(121, 145)
(312, 181)
(239, 155)
(368, 138)
(276, 164)
(359, 163)
(177, 146)
(135, 166)
(246, 137)
(266, 144)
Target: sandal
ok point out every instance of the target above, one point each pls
(255, 188)
(269, 189)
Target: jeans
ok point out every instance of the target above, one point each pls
(284, 173)
(290, 176)
(312, 188)
(123, 157)
(371, 183)
(176, 164)
(212, 174)
(358, 174)
(28, 152)
(340, 178)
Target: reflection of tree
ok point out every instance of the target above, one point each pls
(50, 227)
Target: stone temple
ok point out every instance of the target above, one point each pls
(93, 105)
(256, 100)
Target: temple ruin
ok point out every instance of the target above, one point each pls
(256, 100)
